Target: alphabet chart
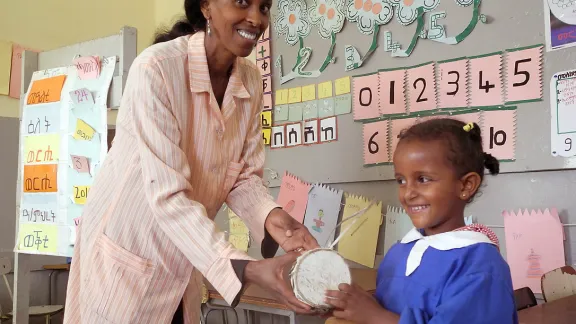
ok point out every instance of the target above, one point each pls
(63, 136)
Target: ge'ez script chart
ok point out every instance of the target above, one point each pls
(563, 112)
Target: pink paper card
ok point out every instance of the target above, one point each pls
(293, 196)
(266, 83)
(264, 66)
(392, 95)
(421, 88)
(396, 126)
(453, 84)
(267, 101)
(486, 81)
(366, 99)
(473, 117)
(265, 35)
(534, 245)
(88, 67)
(375, 142)
(263, 50)
(80, 164)
(524, 75)
(499, 133)
(16, 70)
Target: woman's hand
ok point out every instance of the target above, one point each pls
(289, 233)
(354, 304)
(271, 275)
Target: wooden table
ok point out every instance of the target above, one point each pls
(560, 311)
(258, 299)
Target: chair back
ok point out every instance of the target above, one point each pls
(5, 266)
(524, 298)
(558, 283)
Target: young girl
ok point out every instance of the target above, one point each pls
(442, 271)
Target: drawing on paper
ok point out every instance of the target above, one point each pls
(534, 267)
(319, 222)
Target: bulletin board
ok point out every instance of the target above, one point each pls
(505, 28)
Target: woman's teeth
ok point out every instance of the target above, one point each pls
(247, 35)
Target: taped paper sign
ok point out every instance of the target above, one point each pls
(266, 83)
(40, 178)
(325, 90)
(38, 238)
(310, 132)
(266, 135)
(499, 133)
(80, 194)
(42, 148)
(326, 107)
(309, 92)
(524, 75)
(422, 88)
(293, 196)
(82, 98)
(88, 67)
(263, 50)
(322, 212)
(398, 224)
(563, 113)
(267, 101)
(343, 104)
(310, 110)
(80, 164)
(16, 71)
(281, 97)
(453, 84)
(46, 90)
(264, 66)
(392, 95)
(293, 134)
(236, 225)
(278, 137)
(342, 86)
(375, 136)
(295, 111)
(41, 119)
(294, 95)
(328, 129)
(280, 113)
(266, 118)
(83, 131)
(396, 127)
(239, 241)
(534, 245)
(359, 243)
(366, 99)
(37, 211)
(486, 80)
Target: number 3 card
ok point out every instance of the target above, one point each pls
(422, 88)
(486, 80)
(524, 75)
(453, 84)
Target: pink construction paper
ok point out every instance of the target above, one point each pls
(266, 83)
(468, 118)
(264, 66)
(365, 97)
(80, 163)
(486, 72)
(524, 74)
(263, 50)
(453, 84)
(267, 101)
(396, 126)
(392, 95)
(421, 88)
(534, 245)
(16, 70)
(88, 67)
(499, 133)
(375, 142)
(293, 196)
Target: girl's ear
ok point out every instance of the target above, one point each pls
(205, 7)
(470, 184)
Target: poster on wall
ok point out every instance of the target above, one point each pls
(560, 21)
(63, 138)
(563, 113)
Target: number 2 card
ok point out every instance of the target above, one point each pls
(486, 81)
(422, 88)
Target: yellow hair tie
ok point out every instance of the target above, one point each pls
(468, 127)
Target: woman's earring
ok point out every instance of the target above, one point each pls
(208, 27)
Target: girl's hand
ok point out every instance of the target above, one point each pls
(289, 233)
(354, 304)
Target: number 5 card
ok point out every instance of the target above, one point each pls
(486, 80)
(524, 75)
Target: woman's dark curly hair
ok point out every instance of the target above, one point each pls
(193, 22)
(463, 148)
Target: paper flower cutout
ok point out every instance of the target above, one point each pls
(407, 10)
(292, 20)
(464, 3)
(369, 13)
(328, 16)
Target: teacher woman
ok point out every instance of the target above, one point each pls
(188, 138)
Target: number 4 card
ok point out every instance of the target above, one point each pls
(486, 80)
(524, 75)
(499, 133)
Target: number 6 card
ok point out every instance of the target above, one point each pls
(486, 80)
(453, 84)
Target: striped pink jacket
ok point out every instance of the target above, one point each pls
(147, 234)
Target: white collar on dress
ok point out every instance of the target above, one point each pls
(443, 242)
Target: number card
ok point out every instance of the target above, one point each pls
(310, 110)
(294, 95)
(309, 92)
(396, 127)
(278, 137)
(328, 129)
(453, 84)
(342, 85)
(392, 92)
(325, 90)
(281, 113)
(375, 136)
(281, 97)
(486, 80)
(295, 111)
(524, 75)
(326, 107)
(563, 113)
(499, 133)
(310, 132)
(263, 50)
(80, 194)
(421, 88)
(293, 134)
(366, 100)
(264, 66)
